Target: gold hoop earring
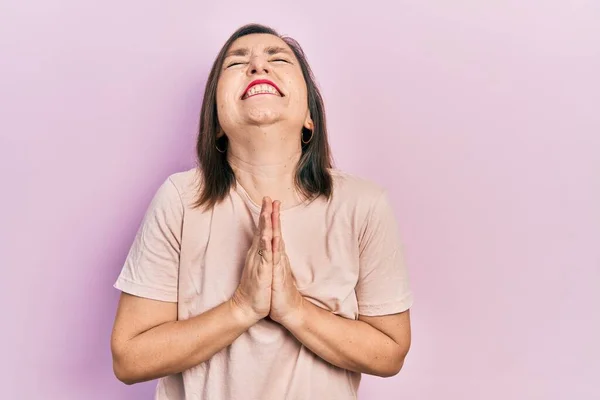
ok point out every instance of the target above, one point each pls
(218, 149)
(311, 136)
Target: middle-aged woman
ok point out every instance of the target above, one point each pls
(264, 273)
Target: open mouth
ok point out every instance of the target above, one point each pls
(261, 86)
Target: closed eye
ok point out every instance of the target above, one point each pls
(234, 64)
(281, 59)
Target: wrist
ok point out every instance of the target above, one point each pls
(296, 317)
(241, 315)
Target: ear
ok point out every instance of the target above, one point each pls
(308, 123)
(220, 133)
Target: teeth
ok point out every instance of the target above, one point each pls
(262, 88)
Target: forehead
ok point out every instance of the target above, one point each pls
(258, 42)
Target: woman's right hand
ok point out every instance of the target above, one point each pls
(253, 294)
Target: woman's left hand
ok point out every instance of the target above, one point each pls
(286, 300)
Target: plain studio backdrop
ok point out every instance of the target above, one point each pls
(482, 118)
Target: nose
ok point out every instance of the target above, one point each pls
(258, 66)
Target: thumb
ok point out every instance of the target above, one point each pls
(285, 262)
(278, 271)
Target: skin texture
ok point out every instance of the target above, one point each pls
(264, 134)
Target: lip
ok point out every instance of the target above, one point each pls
(260, 82)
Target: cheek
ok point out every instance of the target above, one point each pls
(301, 90)
(221, 96)
(225, 101)
(300, 98)
(225, 89)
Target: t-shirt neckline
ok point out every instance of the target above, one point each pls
(256, 207)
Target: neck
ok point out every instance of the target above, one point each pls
(266, 166)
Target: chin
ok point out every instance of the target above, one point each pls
(263, 115)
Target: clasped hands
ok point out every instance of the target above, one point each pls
(267, 286)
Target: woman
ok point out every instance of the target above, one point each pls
(264, 273)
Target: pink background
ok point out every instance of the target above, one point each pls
(482, 118)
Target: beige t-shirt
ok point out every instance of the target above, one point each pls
(345, 254)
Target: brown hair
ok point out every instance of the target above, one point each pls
(312, 174)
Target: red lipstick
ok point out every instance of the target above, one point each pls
(260, 82)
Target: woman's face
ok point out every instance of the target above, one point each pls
(261, 84)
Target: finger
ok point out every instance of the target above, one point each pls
(276, 222)
(288, 268)
(267, 254)
(259, 228)
(261, 224)
(266, 231)
(265, 216)
(276, 250)
(267, 220)
(268, 211)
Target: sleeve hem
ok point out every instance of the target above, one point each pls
(393, 307)
(139, 290)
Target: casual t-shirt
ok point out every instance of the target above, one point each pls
(346, 256)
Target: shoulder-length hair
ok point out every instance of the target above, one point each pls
(312, 176)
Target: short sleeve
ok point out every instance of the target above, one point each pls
(383, 284)
(151, 269)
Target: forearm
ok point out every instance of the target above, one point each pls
(349, 344)
(179, 345)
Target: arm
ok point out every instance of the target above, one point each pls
(372, 345)
(375, 345)
(148, 342)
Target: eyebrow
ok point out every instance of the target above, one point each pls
(271, 50)
(237, 52)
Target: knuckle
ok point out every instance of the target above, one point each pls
(265, 239)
